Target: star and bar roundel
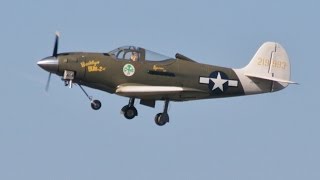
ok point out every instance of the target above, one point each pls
(218, 82)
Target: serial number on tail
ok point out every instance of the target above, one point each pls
(275, 63)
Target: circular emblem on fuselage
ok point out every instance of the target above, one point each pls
(128, 69)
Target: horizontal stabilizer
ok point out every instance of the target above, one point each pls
(271, 79)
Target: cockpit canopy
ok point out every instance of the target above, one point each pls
(136, 54)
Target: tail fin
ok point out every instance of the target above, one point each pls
(271, 62)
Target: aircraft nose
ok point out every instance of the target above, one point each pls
(49, 64)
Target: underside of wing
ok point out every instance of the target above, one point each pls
(156, 92)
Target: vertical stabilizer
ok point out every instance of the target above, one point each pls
(271, 62)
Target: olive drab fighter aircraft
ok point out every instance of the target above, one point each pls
(138, 73)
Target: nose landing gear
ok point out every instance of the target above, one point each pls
(95, 104)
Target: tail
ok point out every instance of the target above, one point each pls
(270, 63)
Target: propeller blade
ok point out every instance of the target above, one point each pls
(56, 44)
(48, 82)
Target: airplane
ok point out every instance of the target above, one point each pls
(138, 73)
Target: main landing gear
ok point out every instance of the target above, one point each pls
(129, 111)
(95, 104)
(162, 118)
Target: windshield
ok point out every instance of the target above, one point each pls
(137, 54)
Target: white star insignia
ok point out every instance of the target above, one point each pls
(218, 82)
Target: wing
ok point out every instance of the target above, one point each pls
(156, 92)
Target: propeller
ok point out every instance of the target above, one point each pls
(48, 82)
(54, 54)
(56, 44)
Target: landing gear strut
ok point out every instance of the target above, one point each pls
(162, 118)
(95, 104)
(129, 111)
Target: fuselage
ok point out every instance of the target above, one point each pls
(138, 73)
(104, 72)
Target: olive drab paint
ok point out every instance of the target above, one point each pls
(137, 73)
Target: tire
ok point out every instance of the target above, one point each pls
(161, 119)
(124, 109)
(95, 104)
(130, 112)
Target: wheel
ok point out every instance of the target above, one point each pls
(95, 104)
(124, 109)
(129, 112)
(161, 119)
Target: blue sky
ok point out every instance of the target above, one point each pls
(56, 135)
